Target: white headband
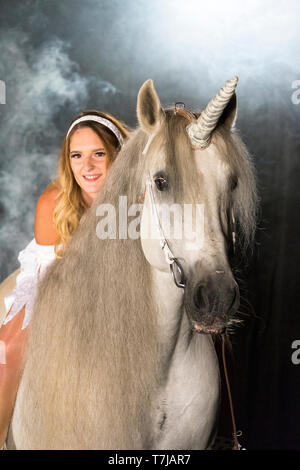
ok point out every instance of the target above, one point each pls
(101, 120)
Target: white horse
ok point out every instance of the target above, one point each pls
(121, 354)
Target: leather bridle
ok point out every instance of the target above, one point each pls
(175, 267)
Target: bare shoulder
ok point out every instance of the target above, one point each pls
(44, 229)
(51, 191)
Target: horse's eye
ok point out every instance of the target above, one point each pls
(161, 183)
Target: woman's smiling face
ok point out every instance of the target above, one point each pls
(88, 160)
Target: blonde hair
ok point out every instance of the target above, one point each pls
(71, 205)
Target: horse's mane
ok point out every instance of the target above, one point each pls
(94, 324)
(96, 312)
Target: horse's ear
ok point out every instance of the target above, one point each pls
(149, 109)
(229, 115)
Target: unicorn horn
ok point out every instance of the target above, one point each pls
(200, 131)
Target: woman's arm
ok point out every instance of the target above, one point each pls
(35, 258)
(44, 229)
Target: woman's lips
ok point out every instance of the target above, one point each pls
(91, 178)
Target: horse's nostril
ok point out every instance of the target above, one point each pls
(200, 297)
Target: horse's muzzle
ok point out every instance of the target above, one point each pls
(211, 303)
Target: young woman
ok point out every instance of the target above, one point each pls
(91, 144)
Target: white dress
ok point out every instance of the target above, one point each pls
(34, 260)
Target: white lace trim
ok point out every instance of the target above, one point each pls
(34, 260)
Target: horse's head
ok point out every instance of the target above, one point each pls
(199, 182)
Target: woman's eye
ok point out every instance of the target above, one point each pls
(76, 155)
(161, 183)
(100, 154)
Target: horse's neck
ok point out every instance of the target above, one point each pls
(178, 343)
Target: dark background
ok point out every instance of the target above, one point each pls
(60, 57)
